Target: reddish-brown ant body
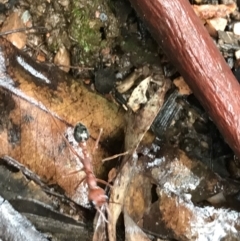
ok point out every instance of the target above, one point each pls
(96, 195)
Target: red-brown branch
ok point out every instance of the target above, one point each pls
(184, 39)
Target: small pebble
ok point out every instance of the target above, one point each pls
(63, 58)
(26, 17)
(41, 57)
(236, 28)
(14, 22)
(64, 3)
(218, 23)
(119, 75)
(103, 17)
(237, 54)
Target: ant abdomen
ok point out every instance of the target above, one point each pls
(80, 133)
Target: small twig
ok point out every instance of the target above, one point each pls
(43, 29)
(75, 67)
(115, 156)
(28, 173)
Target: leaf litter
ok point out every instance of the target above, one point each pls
(52, 171)
(123, 187)
(137, 126)
(175, 198)
(33, 122)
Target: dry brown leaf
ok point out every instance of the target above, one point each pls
(60, 94)
(182, 86)
(138, 196)
(32, 137)
(214, 11)
(30, 134)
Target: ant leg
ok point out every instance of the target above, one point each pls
(102, 214)
(80, 182)
(104, 182)
(74, 172)
(108, 211)
(97, 141)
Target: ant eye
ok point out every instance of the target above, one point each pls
(80, 133)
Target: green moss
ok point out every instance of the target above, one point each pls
(85, 28)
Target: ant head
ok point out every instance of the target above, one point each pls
(97, 197)
(80, 133)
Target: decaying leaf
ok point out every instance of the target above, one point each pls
(214, 11)
(180, 174)
(48, 87)
(132, 231)
(39, 208)
(189, 222)
(32, 137)
(182, 86)
(138, 196)
(14, 226)
(128, 82)
(34, 95)
(138, 95)
(137, 126)
(181, 184)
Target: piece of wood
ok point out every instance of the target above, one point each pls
(185, 41)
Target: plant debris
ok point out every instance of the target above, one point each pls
(177, 179)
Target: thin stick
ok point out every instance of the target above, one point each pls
(114, 156)
(43, 29)
(75, 67)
